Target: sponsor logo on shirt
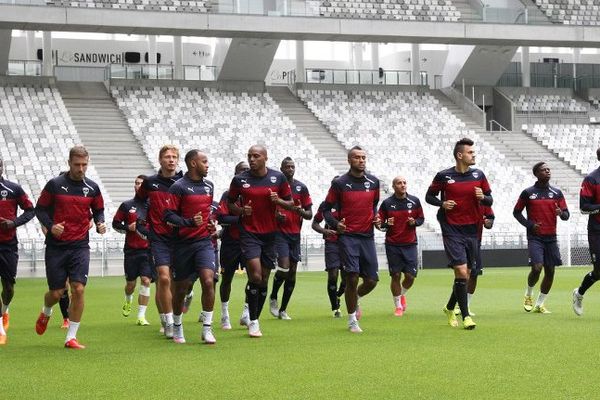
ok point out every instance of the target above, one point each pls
(191, 189)
(155, 185)
(66, 189)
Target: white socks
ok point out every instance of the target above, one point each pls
(129, 298)
(352, 317)
(4, 308)
(47, 311)
(540, 300)
(469, 297)
(142, 311)
(397, 301)
(72, 331)
(207, 317)
(529, 291)
(225, 308)
(177, 319)
(169, 318)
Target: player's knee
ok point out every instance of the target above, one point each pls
(144, 290)
(409, 279)
(77, 289)
(537, 268)
(145, 281)
(164, 280)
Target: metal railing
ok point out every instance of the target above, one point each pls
(162, 72)
(495, 124)
(363, 77)
(24, 67)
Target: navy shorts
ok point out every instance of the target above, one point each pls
(190, 257)
(9, 258)
(461, 250)
(402, 259)
(288, 246)
(543, 252)
(333, 256)
(137, 263)
(261, 246)
(594, 243)
(63, 263)
(161, 252)
(359, 255)
(231, 257)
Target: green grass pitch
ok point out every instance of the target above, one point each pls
(511, 354)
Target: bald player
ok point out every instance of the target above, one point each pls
(399, 216)
(254, 195)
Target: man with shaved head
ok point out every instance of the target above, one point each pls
(254, 195)
(589, 203)
(399, 216)
(189, 210)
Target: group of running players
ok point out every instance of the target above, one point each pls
(172, 230)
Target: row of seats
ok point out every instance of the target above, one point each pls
(148, 5)
(571, 12)
(548, 103)
(576, 144)
(408, 10)
(412, 134)
(224, 125)
(36, 133)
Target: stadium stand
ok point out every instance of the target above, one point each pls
(36, 133)
(571, 12)
(576, 144)
(224, 125)
(192, 6)
(548, 103)
(404, 10)
(410, 133)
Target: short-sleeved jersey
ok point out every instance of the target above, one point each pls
(401, 233)
(255, 190)
(230, 223)
(356, 200)
(589, 199)
(71, 202)
(460, 187)
(155, 189)
(540, 203)
(130, 211)
(188, 198)
(292, 223)
(318, 218)
(11, 197)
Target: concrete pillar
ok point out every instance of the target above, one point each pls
(178, 57)
(415, 63)
(357, 55)
(30, 47)
(47, 61)
(375, 56)
(300, 72)
(576, 60)
(152, 49)
(5, 40)
(525, 66)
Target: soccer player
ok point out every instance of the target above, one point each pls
(130, 219)
(260, 191)
(155, 190)
(543, 203)
(231, 256)
(355, 194)
(333, 259)
(193, 253)
(399, 216)
(63, 209)
(589, 203)
(462, 191)
(11, 197)
(63, 303)
(288, 240)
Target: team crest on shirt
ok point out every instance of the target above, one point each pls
(409, 205)
(85, 191)
(451, 180)
(533, 196)
(207, 189)
(132, 210)
(475, 174)
(333, 210)
(246, 185)
(367, 185)
(298, 188)
(551, 195)
(4, 194)
(273, 179)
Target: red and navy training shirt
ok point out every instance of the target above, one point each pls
(292, 223)
(69, 201)
(460, 187)
(130, 211)
(188, 198)
(230, 223)
(486, 213)
(11, 197)
(589, 200)
(255, 189)
(356, 199)
(318, 218)
(155, 189)
(541, 203)
(401, 233)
